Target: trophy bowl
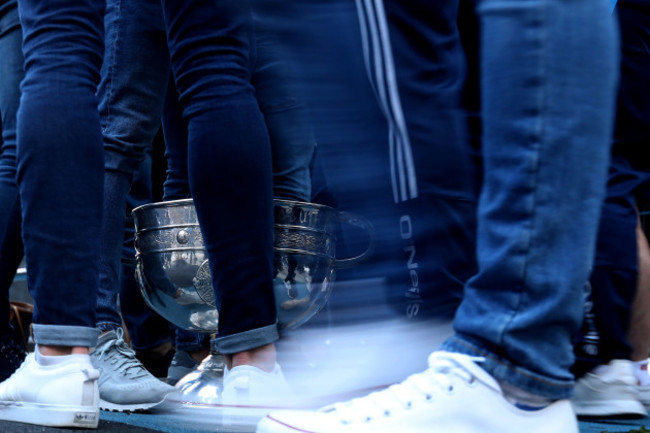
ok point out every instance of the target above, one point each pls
(173, 272)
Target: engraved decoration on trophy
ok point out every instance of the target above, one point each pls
(173, 272)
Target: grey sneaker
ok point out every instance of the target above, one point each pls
(181, 365)
(124, 384)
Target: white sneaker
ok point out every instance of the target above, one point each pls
(453, 395)
(60, 395)
(608, 391)
(644, 395)
(250, 393)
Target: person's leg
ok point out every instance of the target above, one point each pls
(607, 382)
(176, 185)
(432, 177)
(544, 184)
(134, 77)
(131, 93)
(233, 173)
(11, 72)
(639, 332)
(218, 100)
(548, 84)
(285, 114)
(60, 180)
(605, 374)
(60, 162)
(191, 347)
(150, 334)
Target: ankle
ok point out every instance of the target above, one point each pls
(263, 357)
(48, 350)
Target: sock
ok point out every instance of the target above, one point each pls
(523, 399)
(45, 360)
(641, 372)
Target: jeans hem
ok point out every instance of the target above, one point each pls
(62, 335)
(246, 340)
(505, 371)
(108, 326)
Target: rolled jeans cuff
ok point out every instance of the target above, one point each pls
(61, 335)
(247, 340)
(505, 371)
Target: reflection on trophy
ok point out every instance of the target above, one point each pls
(173, 273)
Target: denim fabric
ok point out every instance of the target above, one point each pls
(245, 340)
(134, 80)
(188, 341)
(292, 140)
(229, 159)
(286, 117)
(61, 335)
(131, 93)
(548, 88)
(176, 187)
(124, 146)
(60, 163)
(11, 72)
(147, 328)
(6, 5)
(176, 184)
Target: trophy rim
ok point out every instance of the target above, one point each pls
(190, 201)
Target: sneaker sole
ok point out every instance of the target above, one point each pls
(610, 408)
(50, 415)
(136, 407)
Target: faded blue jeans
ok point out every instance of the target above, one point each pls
(60, 162)
(134, 78)
(549, 70)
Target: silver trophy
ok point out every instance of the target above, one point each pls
(173, 273)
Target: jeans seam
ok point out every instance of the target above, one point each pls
(537, 137)
(111, 68)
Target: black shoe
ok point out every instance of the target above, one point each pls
(157, 359)
(12, 355)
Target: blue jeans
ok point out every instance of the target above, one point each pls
(60, 163)
(548, 88)
(285, 114)
(131, 89)
(236, 221)
(147, 328)
(11, 72)
(131, 94)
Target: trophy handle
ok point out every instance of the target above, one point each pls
(361, 222)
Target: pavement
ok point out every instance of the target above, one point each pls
(148, 423)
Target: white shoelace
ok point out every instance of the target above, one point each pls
(445, 369)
